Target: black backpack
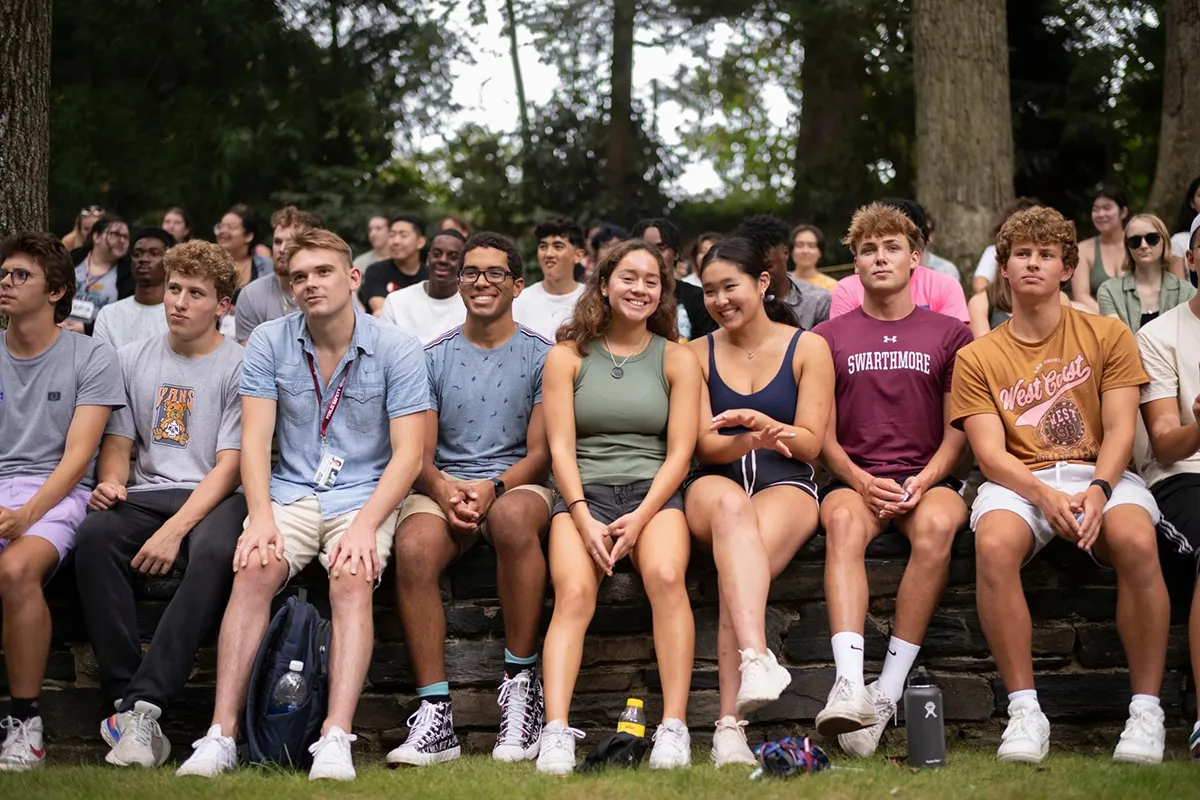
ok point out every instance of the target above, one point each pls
(297, 632)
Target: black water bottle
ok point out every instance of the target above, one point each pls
(924, 721)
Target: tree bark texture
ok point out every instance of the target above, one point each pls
(1179, 136)
(620, 125)
(964, 145)
(510, 24)
(24, 114)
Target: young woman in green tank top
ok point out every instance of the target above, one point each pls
(1101, 256)
(621, 401)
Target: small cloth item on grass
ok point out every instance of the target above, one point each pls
(619, 750)
(789, 756)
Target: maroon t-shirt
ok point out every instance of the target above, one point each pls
(891, 380)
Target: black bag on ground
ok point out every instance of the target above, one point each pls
(622, 750)
(297, 632)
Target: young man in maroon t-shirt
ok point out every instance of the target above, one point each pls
(890, 451)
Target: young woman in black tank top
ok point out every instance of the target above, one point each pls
(763, 414)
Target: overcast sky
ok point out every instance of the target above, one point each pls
(486, 90)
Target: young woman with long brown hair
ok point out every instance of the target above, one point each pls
(620, 401)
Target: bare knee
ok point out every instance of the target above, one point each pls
(347, 591)
(575, 600)
(931, 545)
(997, 555)
(513, 530)
(256, 581)
(664, 581)
(20, 578)
(1134, 552)
(845, 535)
(416, 562)
(731, 512)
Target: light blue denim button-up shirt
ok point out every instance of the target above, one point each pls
(387, 380)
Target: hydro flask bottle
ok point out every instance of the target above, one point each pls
(924, 721)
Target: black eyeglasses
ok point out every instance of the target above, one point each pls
(18, 276)
(1135, 241)
(493, 275)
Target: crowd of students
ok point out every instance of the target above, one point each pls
(570, 424)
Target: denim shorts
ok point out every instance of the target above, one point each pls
(609, 503)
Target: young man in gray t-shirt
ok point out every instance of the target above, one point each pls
(183, 424)
(57, 389)
(486, 459)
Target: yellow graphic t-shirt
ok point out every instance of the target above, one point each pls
(1047, 393)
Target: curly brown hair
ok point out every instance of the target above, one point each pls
(291, 217)
(199, 259)
(877, 219)
(593, 315)
(1040, 225)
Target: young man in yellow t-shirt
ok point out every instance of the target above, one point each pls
(1049, 402)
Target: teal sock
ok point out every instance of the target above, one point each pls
(435, 692)
(514, 664)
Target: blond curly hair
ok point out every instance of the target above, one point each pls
(1040, 225)
(200, 259)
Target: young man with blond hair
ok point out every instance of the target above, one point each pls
(1049, 403)
(326, 383)
(270, 297)
(891, 453)
(183, 423)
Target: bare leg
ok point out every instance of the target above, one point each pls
(849, 528)
(576, 581)
(515, 523)
(423, 551)
(930, 527)
(1002, 541)
(24, 564)
(350, 653)
(661, 556)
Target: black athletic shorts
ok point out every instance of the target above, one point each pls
(759, 470)
(1178, 499)
(949, 482)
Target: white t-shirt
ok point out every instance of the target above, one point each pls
(412, 310)
(987, 264)
(1179, 244)
(544, 312)
(1170, 348)
(127, 321)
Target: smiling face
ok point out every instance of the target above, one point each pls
(148, 261)
(732, 297)
(405, 241)
(634, 288)
(233, 236)
(322, 282)
(487, 285)
(805, 252)
(1107, 215)
(1035, 270)
(192, 306)
(442, 262)
(557, 256)
(884, 263)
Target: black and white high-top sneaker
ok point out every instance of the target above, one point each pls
(431, 738)
(522, 715)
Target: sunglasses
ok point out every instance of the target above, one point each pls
(1134, 242)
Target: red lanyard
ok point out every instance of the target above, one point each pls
(337, 393)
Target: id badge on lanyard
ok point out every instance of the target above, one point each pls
(330, 464)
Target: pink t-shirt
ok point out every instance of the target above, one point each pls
(930, 289)
(891, 379)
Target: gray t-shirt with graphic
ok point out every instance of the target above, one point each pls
(38, 397)
(180, 411)
(484, 399)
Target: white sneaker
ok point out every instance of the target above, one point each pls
(849, 708)
(729, 745)
(23, 749)
(672, 746)
(1027, 738)
(331, 756)
(111, 727)
(1144, 736)
(863, 743)
(214, 754)
(431, 737)
(557, 754)
(763, 680)
(522, 715)
(140, 741)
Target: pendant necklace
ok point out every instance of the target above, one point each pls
(618, 370)
(750, 353)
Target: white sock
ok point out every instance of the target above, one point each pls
(896, 664)
(848, 656)
(1147, 698)
(1024, 694)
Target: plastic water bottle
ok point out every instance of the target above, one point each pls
(924, 721)
(291, 690)
(633, 719)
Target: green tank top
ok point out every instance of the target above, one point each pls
(1099, 275)
(621, 424)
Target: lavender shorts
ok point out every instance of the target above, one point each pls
(59, 524)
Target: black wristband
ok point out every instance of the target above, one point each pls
(1105, 487)
(575, 503)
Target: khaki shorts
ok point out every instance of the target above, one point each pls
(306, 536)
(424, 504)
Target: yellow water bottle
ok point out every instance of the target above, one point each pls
(633, 719)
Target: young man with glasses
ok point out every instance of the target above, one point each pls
(430, 308)
(486, 461)
(57, 390)
(326, 383)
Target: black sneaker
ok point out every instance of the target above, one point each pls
(431, 738)
(522, 715)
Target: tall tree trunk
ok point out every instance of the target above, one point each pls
(620, 125)
(1179, 136)
(24, 114)
(510, 23)
(963, 120)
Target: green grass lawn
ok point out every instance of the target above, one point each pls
(972, 773)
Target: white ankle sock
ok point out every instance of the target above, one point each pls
(848, 656)
(1024, 694)
(1147, 698)
(899, 661)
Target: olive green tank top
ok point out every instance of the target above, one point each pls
(1099, 275)
(621, 423)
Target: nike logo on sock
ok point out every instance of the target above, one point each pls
(891, 652)
(854, 647)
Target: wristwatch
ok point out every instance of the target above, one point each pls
(499, 484)
(1104, 487)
